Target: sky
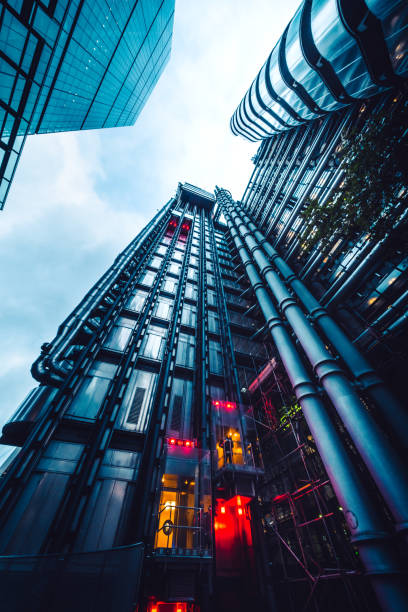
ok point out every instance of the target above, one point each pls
(78, 198)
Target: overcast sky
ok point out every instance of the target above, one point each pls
(79, 198)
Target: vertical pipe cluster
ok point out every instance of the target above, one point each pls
(365, 519)
(387, 405)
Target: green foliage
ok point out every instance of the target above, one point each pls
(288, 413)
(375, 162)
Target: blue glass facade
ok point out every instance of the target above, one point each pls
(75, 65)
(331, 53)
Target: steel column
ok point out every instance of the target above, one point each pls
(377, 451)
(366, 523)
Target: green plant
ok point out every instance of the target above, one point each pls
(375, 162)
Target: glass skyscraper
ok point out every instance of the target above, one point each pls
(73, 65)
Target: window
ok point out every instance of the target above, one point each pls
(26, 530)
(170, 285)
(211, 279)
(120, 334)
(156, 262)
(213, 322)
(137, 301)
(189, 315)
(185, 351)
(193, 261)
(148, 278)
(194, 250)
(161, 250)
(163, 308)
(166, 240)
(216, 364)
(135, 410)
(89, 399)
(211, 297)
(179, 418)
(192, 274)
(210, 267)
(108, 510)
(174, 268)
(153, 342)
(177, 256)
(191, 291)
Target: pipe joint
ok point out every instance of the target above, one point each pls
(286, 302)
(303, 389)
(317, 312)
(328, 367)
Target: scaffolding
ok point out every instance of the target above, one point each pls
(310, 556)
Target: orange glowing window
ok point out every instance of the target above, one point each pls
(240, 511)
(222, 509)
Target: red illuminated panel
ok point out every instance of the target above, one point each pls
(233, 536)
(179, 442)
(163, 606)
(224, 405)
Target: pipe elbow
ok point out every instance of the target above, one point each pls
(43, 375)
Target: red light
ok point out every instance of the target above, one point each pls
(222, 509)
(178, 442)
(239, 500)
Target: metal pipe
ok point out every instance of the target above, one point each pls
(366, 523)
(391, 311)
(385, 466)
(390, 408)
(340, 289)
(282, 173)
(316, 175)
(46, 368)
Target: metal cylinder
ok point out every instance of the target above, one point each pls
(385, 466)
(391, 410)
(367, 524)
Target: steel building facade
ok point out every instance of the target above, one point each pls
(194, 444)
(330, 55)
(123, 442)
(337, 71)
(68, 65)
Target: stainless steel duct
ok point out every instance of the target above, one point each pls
(366, 522)
(378, 453)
